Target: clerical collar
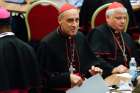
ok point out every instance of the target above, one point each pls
(63, 34)
(6, 34)
(113, 30)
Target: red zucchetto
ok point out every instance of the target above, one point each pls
(66, 7)
(4, 13)
(115, 6)
(4, 16)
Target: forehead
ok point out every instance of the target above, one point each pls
(72, 13)
(119, 14)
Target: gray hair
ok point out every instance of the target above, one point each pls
(119, 10)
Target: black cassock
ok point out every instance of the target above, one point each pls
(52, 55)
(18, 64)
(103, 44)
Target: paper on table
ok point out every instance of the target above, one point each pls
(94, 84)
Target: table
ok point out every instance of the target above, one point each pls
(136, 7)
(115, 79)
(15, 7)
(23, 7)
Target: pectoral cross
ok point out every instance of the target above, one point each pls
(71, 68)
(125, 57)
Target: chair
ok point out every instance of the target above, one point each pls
(138, 40)
(98, 16)
(41, 19)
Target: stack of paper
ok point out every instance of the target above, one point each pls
(94, 84)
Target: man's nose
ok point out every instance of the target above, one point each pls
(74, 23)
(123, 20)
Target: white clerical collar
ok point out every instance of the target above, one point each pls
(6, 34)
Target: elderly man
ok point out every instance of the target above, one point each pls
(64, 56)
(109, 42)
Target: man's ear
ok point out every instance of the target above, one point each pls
(59, 21)
(107, 18)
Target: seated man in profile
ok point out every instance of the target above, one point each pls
(18, 64)
(111, 43)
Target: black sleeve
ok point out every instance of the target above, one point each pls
(97, 43)
(134, 49)
(51, 75)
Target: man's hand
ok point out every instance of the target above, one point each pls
(94, 70)
(120, 69)
(75, 80)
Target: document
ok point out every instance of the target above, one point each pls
(94, 84)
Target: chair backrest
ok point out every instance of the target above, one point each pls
(139, 40)
(99, 18)
(41, 19)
